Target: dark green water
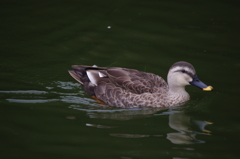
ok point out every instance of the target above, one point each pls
(46, 114)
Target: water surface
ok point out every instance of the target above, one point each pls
(45, 113)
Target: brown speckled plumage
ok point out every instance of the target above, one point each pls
(130, 88)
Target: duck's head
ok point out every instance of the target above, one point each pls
(183, 73)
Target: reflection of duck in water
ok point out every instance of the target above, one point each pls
(186, 128)
(127, 88)
(182, 123)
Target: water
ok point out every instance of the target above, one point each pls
(46, 114)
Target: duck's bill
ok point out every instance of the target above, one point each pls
(198, 83)
(208, 88)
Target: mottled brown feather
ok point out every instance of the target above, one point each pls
(121, 87)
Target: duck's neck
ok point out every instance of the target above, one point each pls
(178, 94)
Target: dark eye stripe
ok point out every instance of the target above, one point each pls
(184, 71)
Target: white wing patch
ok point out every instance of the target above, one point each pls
(93, 76)
(101, 75)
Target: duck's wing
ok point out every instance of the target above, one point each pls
(135, 81)
(116, 79)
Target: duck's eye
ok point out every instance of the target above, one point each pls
(183, 71)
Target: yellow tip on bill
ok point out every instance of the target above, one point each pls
(209, 88)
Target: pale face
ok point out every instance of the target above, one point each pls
(180, 76)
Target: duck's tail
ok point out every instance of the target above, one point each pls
(76, 75)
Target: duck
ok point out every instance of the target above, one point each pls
(130, 88)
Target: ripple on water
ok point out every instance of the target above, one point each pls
(67, 92)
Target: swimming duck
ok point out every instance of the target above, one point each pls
(129, 88)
